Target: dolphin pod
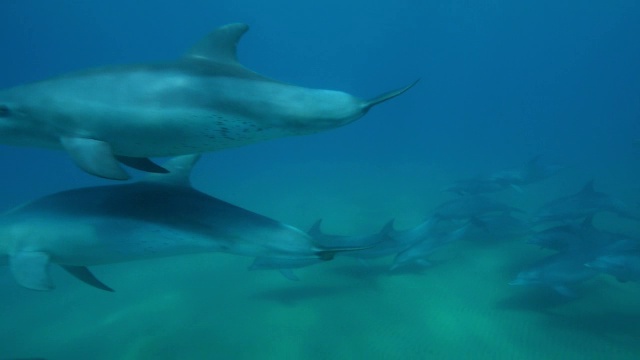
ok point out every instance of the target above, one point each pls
(205, 101)
(208, 101)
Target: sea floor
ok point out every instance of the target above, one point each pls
(209, 306)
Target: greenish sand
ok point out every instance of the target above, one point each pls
(209, 306)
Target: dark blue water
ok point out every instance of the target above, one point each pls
(501, 82)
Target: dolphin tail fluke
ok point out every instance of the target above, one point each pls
(386, 96)
(83, 274)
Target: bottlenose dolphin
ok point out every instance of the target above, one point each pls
(475, 186)
(582, 204)
(529, 173)
(560, 272)
(574, 237)
(362, 246)
(471, 207)
(623, 266)
(205, 101)
(496, 227)
(424, 244)
(160, 216)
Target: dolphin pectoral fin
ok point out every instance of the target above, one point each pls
(83, 274)
(31, 270)
(94, 157)
(386, 96)
(289, 274)
(143, 164)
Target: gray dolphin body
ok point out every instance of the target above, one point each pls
(623, 266)
(469, 207)
(162, 216)
(560, 272)
(582, 204)
(205, 101)
(425, 240)
(531, 172)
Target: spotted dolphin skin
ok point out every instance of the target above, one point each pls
(205, 101)
(160, 216)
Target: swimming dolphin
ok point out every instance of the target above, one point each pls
(531, 172)
(204, 101)
(623, 266)
(362, 246)
(496, 227)
(574, 237)
(582, 204)
(471, 207)
(161, 216)
(560, 272)
(424, 244)
(475, 186)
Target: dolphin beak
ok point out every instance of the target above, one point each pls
(386, 96)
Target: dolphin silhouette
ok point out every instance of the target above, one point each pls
(205, 101)
(160, 216)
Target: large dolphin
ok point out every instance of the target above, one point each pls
(204, 101)
(161, 216)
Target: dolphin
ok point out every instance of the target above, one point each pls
(582, 204)
(424, 244)
(157, 217)
(574, 237)
(496, 227)
(531, 172)
(471, 207)
(475, 186)
(204, 101)
(560, 272)
(623, 266)
(361, 247)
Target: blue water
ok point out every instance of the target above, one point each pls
(501, 82)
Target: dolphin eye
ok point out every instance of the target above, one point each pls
(4, 111)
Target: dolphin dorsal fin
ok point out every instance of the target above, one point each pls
(179, 168)
(388, 227)
(219, 46)
(587, 223)
(315, 229)
(588, 188)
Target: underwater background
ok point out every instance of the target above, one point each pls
(501, 82)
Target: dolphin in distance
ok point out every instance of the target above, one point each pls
(205, 101)
(582, 204)
(623, 266)
(158, 217)
(531, 172)
(560, 272)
